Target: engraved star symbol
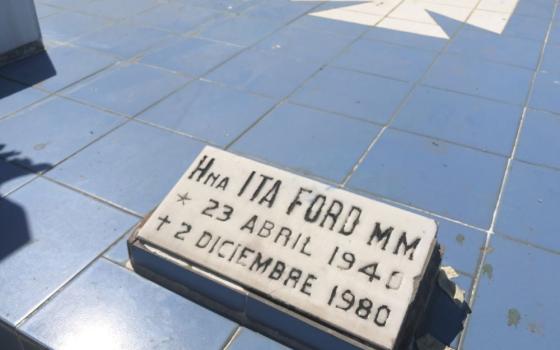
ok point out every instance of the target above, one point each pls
(183, 198)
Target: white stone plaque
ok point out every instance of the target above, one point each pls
(347, 261)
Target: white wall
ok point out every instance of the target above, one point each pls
(18, 24)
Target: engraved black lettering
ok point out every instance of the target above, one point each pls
(202, 168)
(250, 225)
(382, 315)
(223, 183)
(284, 232)
(243, 255)
(350, 224)
(302, 250)
(204, 239)
(211, 177)
(277, 270)
(260, 187)
(296, 200)
(333, 212)
(164, 220)
(294, 275)
(227, 242)
(249, 179)
(312, 213)
(412, 246)
(266, 229)
(380, 235)
(179, 234)
(234, 252)
(308, 283)
(260, 264)
(270, 196)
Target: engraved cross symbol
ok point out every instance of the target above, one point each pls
(164, 220)
(183, 198)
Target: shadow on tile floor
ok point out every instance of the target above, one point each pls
(16, 234)
(38, 68)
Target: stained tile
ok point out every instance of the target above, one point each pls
(250, 340)
(494, 47)
(57, 68)
(467, 120)
(371, 56)
(546, 92)
(461, 245)
(239, 30)
(516, 301)
(355, 94)
(52, 130)
(530, 205)
(127, 88)
(50, 233)
(123, 40)
(450, 180)
(12, 176)
(208, 111)
(263, 72)
(68, 25)
(175, 17)
(109, 306)
(539, 142)
(134, 166)
(481, 78)
(14, 96)
(192, 56)
(319, 143)
(118, 9)
(305, 44)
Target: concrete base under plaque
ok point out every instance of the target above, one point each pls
(255, 311)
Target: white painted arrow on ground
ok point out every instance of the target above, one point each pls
(422, 17)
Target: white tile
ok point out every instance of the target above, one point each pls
(418, 10)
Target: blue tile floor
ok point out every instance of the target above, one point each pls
(447, 108)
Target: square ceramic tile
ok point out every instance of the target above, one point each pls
(134, 166)
(66, 4)
(319, 143)
(539, 142)
(68, 25)
(127, 88)
(239, 30)
(449, 116)
(51, 233)
(118, 9)
(118, 252)
(526, 28)
(123, 40)
(264, 72)
(209, 111)
(250, 340)
(352, 93)
(530, 205)
(535, 8)
(305, 44)
(109, 306)
(481, 78)
(408, 33)
(497, 48)
(12, 176)
(175, 17)
(510, 311)
(52, 130)
(554, 36)
(284, 11)
(14, 96)
(505, 6)
(332, 26)
(58, 68)
(234, 6)
(546, 91)
(550, 59)
(371, 57)
(372, 7)
(430, 12)
(191, 55)
(44, 10)
(449, 180)
(342, 14)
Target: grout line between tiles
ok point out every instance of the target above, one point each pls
(232, 337)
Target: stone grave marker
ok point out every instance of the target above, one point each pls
(356, 268)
